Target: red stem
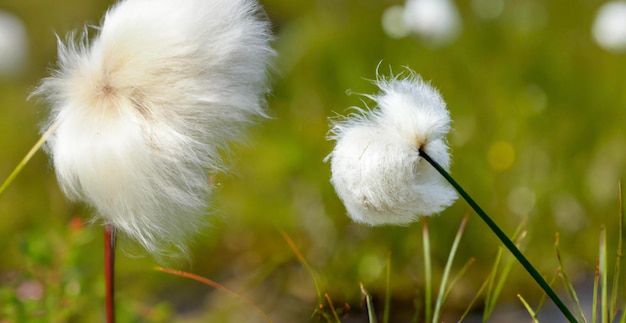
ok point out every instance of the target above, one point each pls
(109, 271)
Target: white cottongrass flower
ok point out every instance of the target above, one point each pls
(145, 109)
(437, 21)
(376, 167)
(609, 27)
(13, 45)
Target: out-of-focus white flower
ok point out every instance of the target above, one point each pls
(147, 107)
(436, 21)
(13, 44)
(376, 167)
(609, 27)
(393, 22)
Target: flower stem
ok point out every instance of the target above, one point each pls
(109, 271)
(28, 156)
(428, 276)
(387, 291)
(503, 237)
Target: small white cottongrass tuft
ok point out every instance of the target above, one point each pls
(609, 26)
(376, 168)
(146, 108)
(437, 22)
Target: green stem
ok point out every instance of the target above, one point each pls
(387, 291)
(371, 314)
(446, 271)
(603, 277)
(503, 237)
(428, 293)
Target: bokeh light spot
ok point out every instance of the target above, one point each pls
(72, 288)
(370, 268)
(569, 214)
(30, 290)
(501, 156)
(393, 23)
(521, 200)
(488, 9)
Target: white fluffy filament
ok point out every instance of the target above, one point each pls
(146, 108)
(376, 168)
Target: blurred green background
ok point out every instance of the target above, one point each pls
(539, 131)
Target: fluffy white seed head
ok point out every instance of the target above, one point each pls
(146, 108)
(609, 26)
(376, 168)
(437, 22)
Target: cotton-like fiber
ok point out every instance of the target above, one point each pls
(376, 167)
(146, 109)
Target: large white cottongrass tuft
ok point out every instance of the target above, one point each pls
(376, 167)
(145, 109)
